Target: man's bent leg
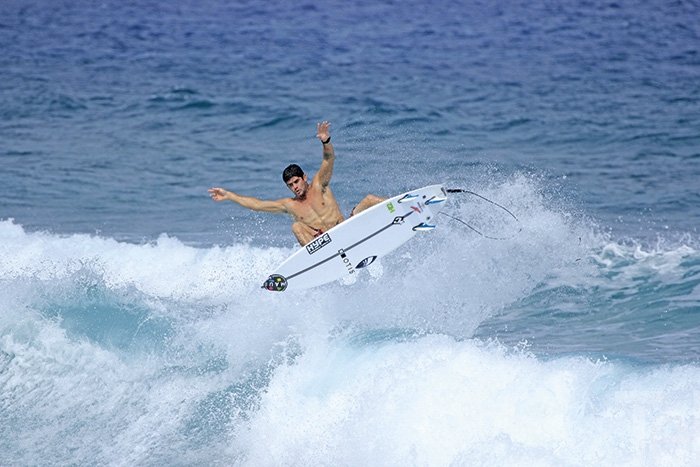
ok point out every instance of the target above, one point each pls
(367, 202)
(303, 233)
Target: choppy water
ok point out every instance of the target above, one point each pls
(132, 327)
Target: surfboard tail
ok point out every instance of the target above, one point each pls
(436, 200)
(423, 227)
(407, 198)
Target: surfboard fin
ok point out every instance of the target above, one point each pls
(422, 227)
(436, 200)
(408, 197)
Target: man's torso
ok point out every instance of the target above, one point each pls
(318, 210)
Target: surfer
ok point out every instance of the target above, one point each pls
(313, 206)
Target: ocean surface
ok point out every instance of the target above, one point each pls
(133, 330)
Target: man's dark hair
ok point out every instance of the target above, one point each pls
(292, 170)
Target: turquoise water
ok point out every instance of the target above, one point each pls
(132, 327)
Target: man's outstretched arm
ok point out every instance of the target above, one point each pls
(323, 176)
(220, 194)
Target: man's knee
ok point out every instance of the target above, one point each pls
(371, 200)
(301, 233)
(367, 202)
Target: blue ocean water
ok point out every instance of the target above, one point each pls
(132, 327)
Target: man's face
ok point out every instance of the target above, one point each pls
(298, 186)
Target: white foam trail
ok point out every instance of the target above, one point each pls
(450, 280)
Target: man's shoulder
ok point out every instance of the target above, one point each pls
(317, 184)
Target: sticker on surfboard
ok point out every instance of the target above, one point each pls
(365, 262)
(275, 283)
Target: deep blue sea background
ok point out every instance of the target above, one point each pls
(132, 327)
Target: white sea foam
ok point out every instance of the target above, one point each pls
(164, 269)
(436, 401)
(333, 375)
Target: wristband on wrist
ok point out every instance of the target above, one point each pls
(326, 141)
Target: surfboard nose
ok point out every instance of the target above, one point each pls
(275, 283)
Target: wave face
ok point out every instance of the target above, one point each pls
(556, 346)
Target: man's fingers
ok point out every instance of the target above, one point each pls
(216, 193)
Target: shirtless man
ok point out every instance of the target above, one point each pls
(313, 206)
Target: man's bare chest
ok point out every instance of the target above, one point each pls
(310, 207)
(315, 208)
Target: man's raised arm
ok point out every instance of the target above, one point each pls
(220, 194)
(323, 176)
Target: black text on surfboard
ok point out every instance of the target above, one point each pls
(319, 243)
(348, 264)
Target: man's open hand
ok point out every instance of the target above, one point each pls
(218, 194)
(323, 131)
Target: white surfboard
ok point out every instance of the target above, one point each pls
(357, 242)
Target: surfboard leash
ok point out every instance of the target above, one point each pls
(462, 190)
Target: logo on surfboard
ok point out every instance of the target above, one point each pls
(319, 243)
(365, 262)
(346, 261)
(275, 283)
